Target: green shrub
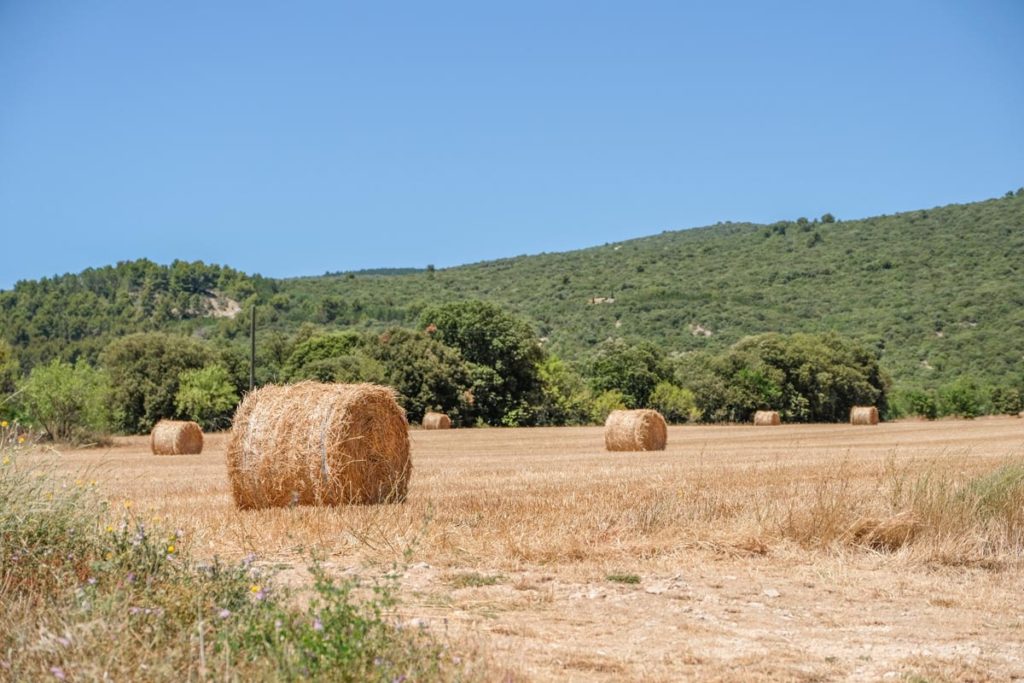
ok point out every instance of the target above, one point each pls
(674, 403)
(68, 402)
(604, 403)
(206, 396)
(77, 577)
(962, 398)
(144, 374)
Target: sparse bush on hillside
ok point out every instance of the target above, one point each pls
(68, 402)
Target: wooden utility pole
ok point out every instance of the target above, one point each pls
(252, 349)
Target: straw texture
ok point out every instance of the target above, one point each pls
(318, 444)
(176, 437)
(767, 418)
(635, 430)
(864, 415)
(437, 421)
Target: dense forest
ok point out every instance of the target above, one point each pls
(934, 295)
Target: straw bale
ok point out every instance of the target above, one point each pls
(635, 430)
(864, 415)
(889, 534)
(318, 444)
(176, 437)
(436, 421)
(767, 418)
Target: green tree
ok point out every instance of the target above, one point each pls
(68, 402)
(426, 374)
(632, 369)
(333, 357)
(676, 404)
(604, 403)
(504, 349)
(206, 396)
(144, 374)
(564, 394)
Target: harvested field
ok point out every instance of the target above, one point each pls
(735, 554)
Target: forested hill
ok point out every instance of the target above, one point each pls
(940, 292)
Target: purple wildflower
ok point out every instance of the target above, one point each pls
(318, 625)
(58, 673)
(224, 613)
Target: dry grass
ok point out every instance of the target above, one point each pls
(881, 543)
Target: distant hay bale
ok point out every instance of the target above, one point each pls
(318, 444)
(767, 418)
(635, 430)
(176, 437)
(864, 415)
(437, 421)
(889, 534)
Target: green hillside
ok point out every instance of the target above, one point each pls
(938, 291)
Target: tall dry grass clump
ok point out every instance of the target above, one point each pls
(635, 430)
(176, 437)
(864, 415)
(767, 418)
(318, 444)
(437, 421)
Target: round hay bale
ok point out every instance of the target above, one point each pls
(437, 421)
(318, 444)
(176, 437)
(864, 415)
(635, 430)
(767, 418)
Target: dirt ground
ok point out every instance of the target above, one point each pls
(550, 559)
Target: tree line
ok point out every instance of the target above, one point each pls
(479, 364)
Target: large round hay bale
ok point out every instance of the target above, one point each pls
(437, 421)
(318, 444)
(176, 437)
(767, 418)
(635, 430)
(864, 415)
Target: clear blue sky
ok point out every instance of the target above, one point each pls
(292, 138)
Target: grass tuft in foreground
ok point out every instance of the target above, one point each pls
(88, 593)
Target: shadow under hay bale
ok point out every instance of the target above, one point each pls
(635, 430)
(436, 421)
(864, 415)
(767, 418)
(318, 444)
(176, 437)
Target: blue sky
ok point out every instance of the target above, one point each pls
(296, 138)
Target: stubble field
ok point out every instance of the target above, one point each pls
(804, 552)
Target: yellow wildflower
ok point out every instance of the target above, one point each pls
(7, 461)
(110, 529)
(170, 549)
(255, 588)
(128, 504)
(4, 424)
(21, 439)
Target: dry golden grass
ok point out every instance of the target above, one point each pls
(805, 552)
